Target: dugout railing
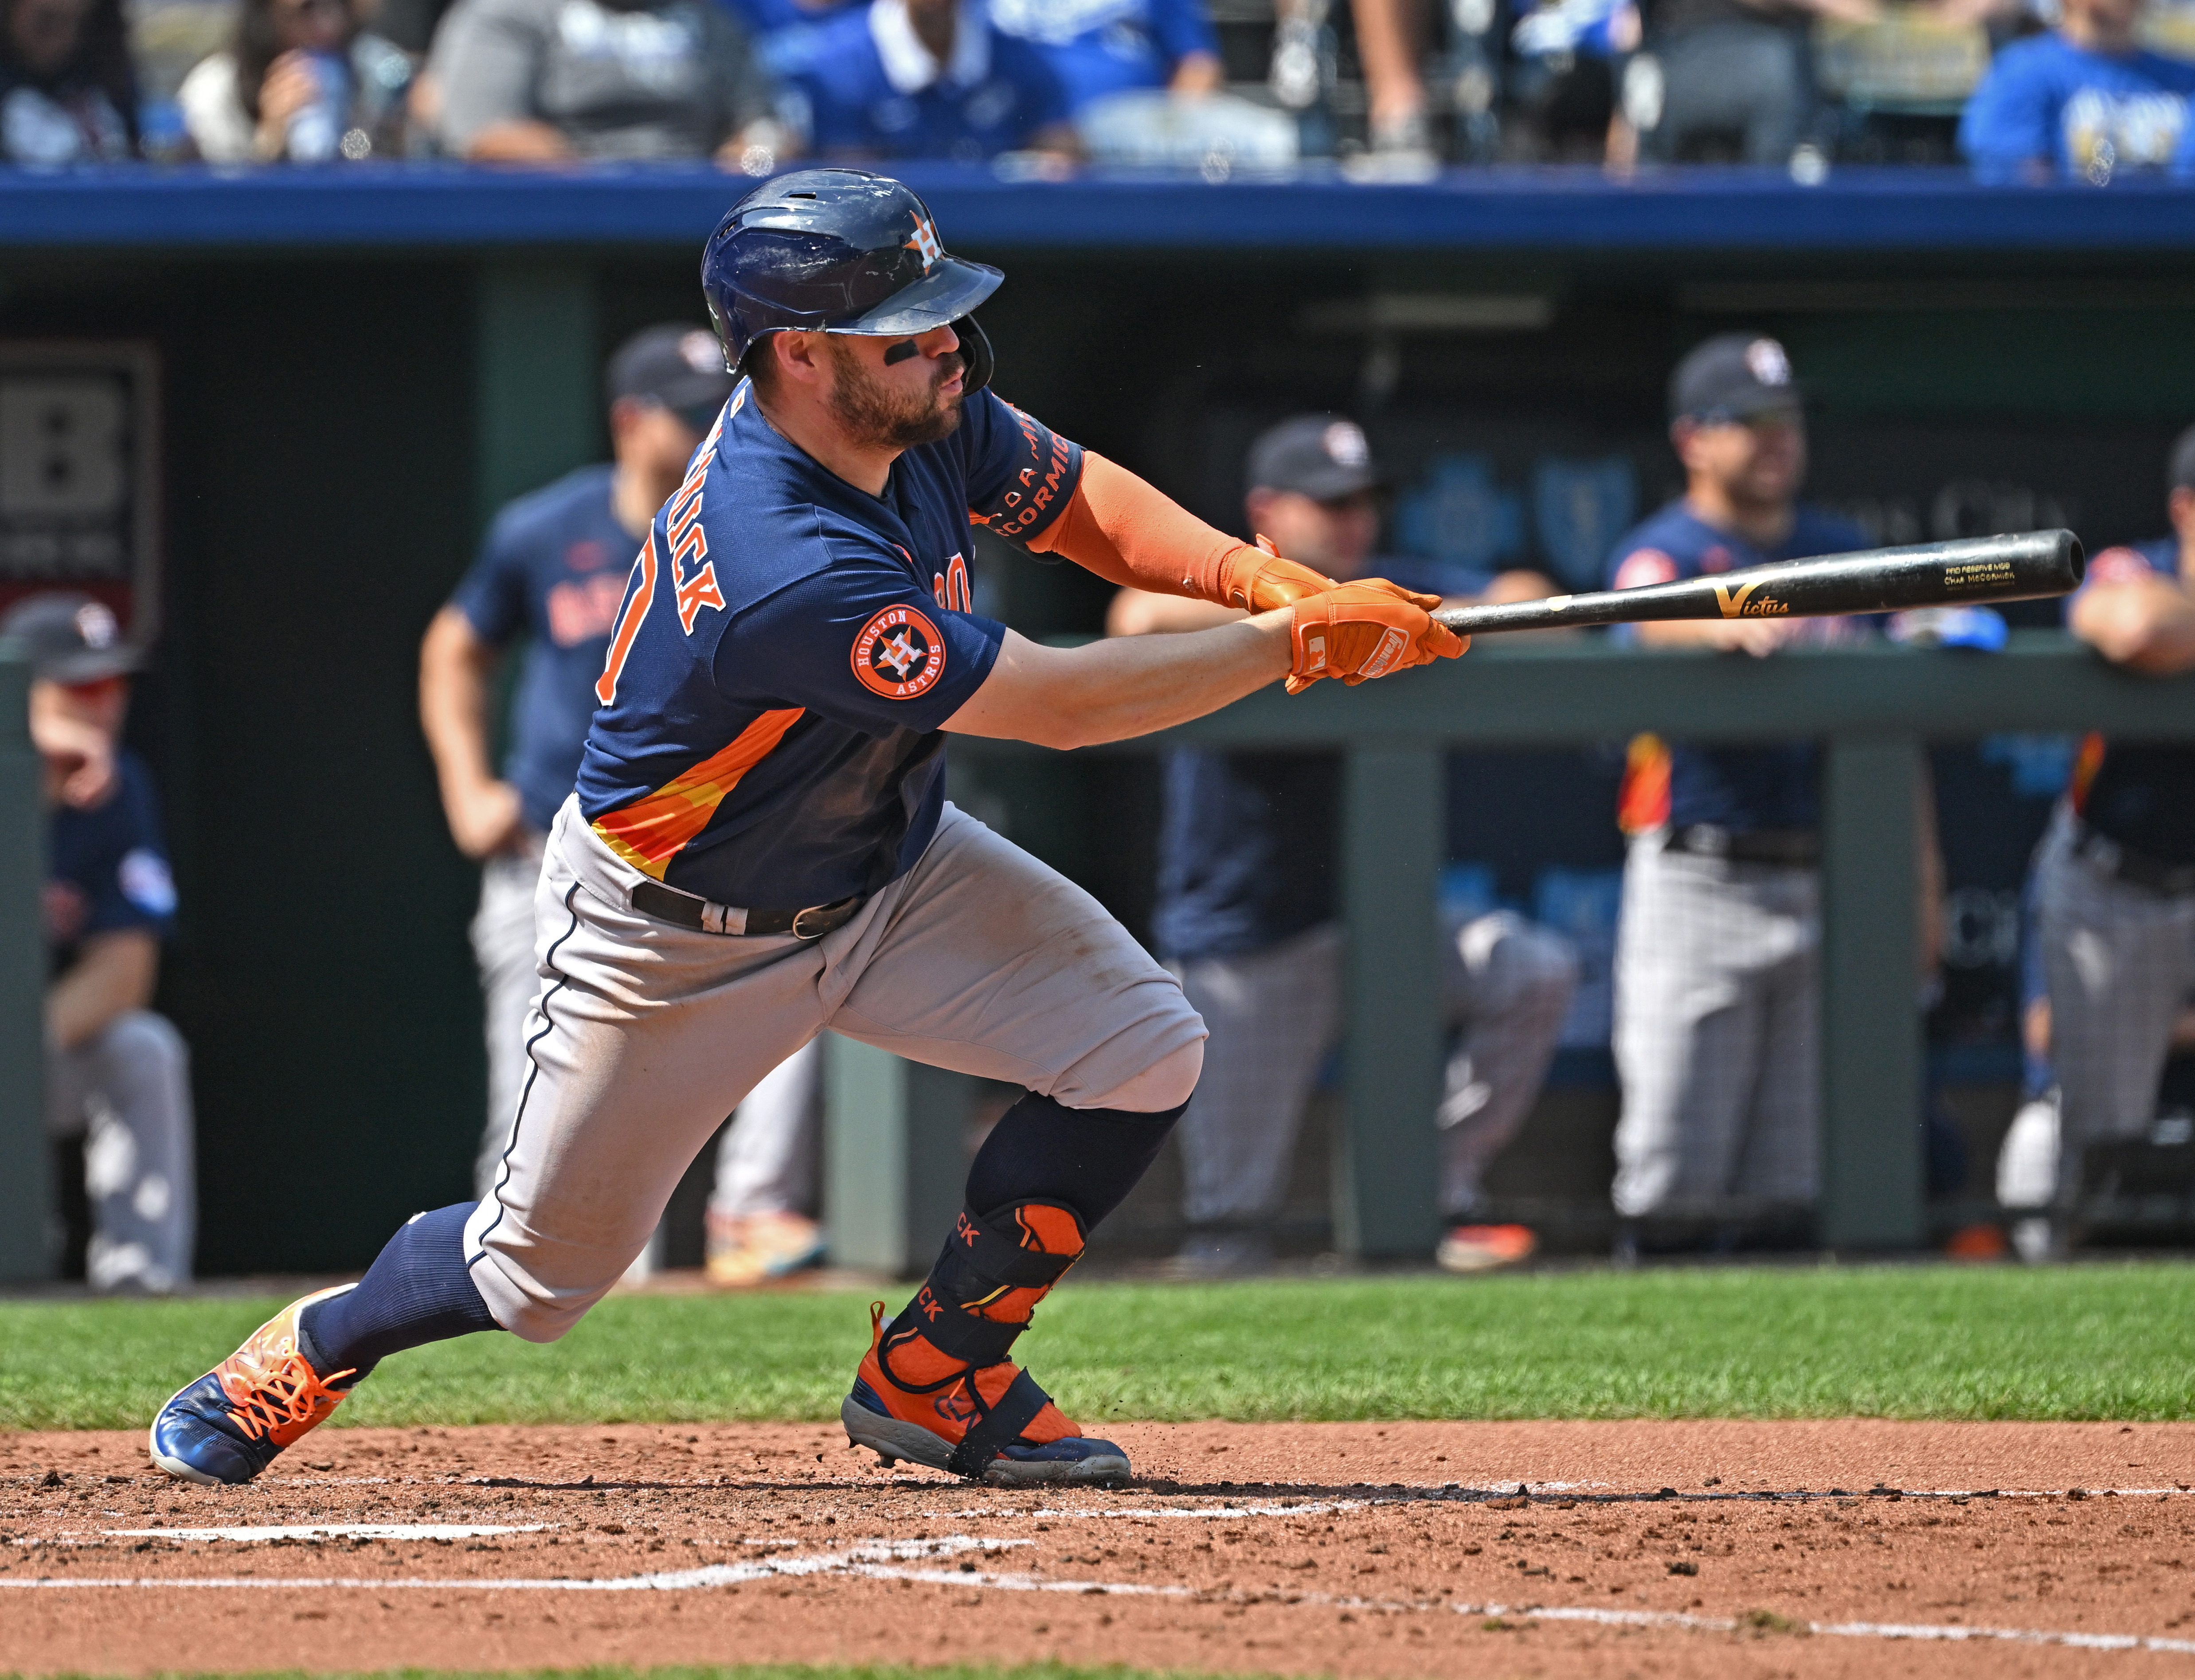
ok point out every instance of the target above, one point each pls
(1874, 711)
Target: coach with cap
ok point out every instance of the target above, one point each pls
(1247, 918)
(118, 1076)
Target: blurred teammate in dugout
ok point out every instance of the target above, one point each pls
(550, 575)
(117, 1075)
(1246, 915)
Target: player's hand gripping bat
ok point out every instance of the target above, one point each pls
(2022, 567)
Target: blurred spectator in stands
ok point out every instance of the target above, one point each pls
(1246, 913)
(1390, 42)
(1567, 52)
(68, 92)
(2115, 877)
(301, 83)
(548, 81)
(2084, 100)
(1716, 981)
(926, 78)
(1724, 80)
(1101, 47)
(118, 1076)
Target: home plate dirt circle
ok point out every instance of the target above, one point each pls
(1586, 1549)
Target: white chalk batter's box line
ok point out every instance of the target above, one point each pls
(892, 1560)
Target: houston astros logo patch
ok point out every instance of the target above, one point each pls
(899, 655)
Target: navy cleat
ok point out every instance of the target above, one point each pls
(229, 1425)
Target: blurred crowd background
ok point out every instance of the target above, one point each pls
(1384, 89)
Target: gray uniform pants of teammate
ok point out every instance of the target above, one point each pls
(1716, 1041)
(1275, 1014)
(979, 959)
(502, 945)
(2120, 962)
(127, 1093)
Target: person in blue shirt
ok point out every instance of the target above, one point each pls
(550, 575)
(923, 78)
(1102, 47)
(1715, 967)
(2084, 101)
(1248, 914)
(118, 1075)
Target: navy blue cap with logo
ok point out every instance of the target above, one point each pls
(674, 366)
(70, 637)
(1733, 378)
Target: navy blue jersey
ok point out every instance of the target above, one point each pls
(872, 90)
(1740, 788)
(109, 867)
(789, 645)
(553, 567)
(2141, 794)
(1247, 844)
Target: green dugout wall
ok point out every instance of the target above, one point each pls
(358, 372)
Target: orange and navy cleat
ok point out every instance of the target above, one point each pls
(936, 1387)
(227, 1426)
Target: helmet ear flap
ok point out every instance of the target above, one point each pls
(978, 349)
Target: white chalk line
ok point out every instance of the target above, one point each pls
(890, 1560)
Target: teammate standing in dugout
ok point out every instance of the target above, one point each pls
(759, 847)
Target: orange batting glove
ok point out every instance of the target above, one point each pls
(1358, 631)
(1258, 579)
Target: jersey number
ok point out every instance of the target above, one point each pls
(628, 626)
(950, 586)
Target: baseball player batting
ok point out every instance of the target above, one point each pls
(759, 847)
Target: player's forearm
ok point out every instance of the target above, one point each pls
(114, 975)
(2148, 627)
(455, 669)
(1145, 613)
(1116, 690)
(1131, 534)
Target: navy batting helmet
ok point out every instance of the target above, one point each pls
(843, 251)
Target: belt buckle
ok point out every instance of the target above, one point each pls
(802, 929)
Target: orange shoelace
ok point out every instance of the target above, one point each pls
(265, 1399)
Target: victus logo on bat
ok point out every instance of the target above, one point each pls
(1739, 603)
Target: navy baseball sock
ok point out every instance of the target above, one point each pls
(1085, 1158)
(417, 1291)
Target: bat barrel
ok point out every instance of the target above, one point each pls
(2022, 567)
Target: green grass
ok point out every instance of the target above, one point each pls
(2093, 1341)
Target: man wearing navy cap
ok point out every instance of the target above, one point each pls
(118, 1075)
(1715, 957)
(1248, 916)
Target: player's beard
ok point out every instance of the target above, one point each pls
(876, 415)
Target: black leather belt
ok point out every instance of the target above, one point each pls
(668, 904)
(2136, 869)
(1794, 847)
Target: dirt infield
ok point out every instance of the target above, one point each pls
(1708, 1549)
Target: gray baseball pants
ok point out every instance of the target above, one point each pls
(1717, 1045)
(2120, 963)
(127, 1093)
(644, 1035)
(766, 1163)
(1275, 1014)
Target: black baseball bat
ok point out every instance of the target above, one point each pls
(2023, 567)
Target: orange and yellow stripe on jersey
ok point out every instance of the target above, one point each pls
(1643, 803)
(650, 832)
